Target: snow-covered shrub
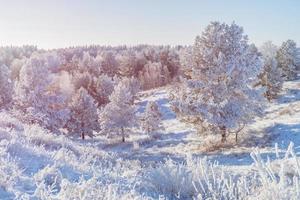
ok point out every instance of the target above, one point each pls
(49, 177)
(198, 178)
(211, 181)
(10, 173)
(92, 189)
(279, 179)
(171, 179)
(288, 59)
(220, 90)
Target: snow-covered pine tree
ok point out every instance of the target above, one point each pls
(127, 64)
(15, 68)
(101, 88)
(84, 117)
(90, 64)
(132, 84)
(186, 62)
(5, 86)
(154, 75)
(220, 90)
(119, 113)
(271, 77)
(151, 118)
(288, 59)
(109, 64)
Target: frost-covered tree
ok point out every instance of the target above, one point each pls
(271, 77)
(154, 75)
(109, 64)
(39, 95)
(168, 57)
(101, 88)
(15, 68)
(288, 59)
(220, 90)
(132, 84)
(84, 117)
(119, 113)
(5, 86)
(186, 62)
(127, 65)
(90, 64)
(151, 118)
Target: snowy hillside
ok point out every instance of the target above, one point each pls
(36, 164)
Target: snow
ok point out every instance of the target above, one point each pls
(37, 164)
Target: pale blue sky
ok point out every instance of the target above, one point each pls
(61, 23)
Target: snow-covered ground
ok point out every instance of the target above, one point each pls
(36, 164)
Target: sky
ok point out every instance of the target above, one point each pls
(62, 23)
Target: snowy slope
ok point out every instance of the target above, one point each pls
(36, 164)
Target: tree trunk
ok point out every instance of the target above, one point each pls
(82, 134)
(223, 134)
(236, 137)
(123, 136)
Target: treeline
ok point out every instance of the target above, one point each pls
(218, 83)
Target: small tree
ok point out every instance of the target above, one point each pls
(271, 77)
(5, 86)
(288, 59)
(84, 117)
(151, 118)
(119, 113)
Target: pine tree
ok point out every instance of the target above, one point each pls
(84, 117)
(90, 64)
(154, 75)
(119, 113)
(127, 64)
(186, 62)
(5, 86)
(101, 88)
(271, 77)
(220, 90)
(288, 59)
(151, 118)
(109, 64)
